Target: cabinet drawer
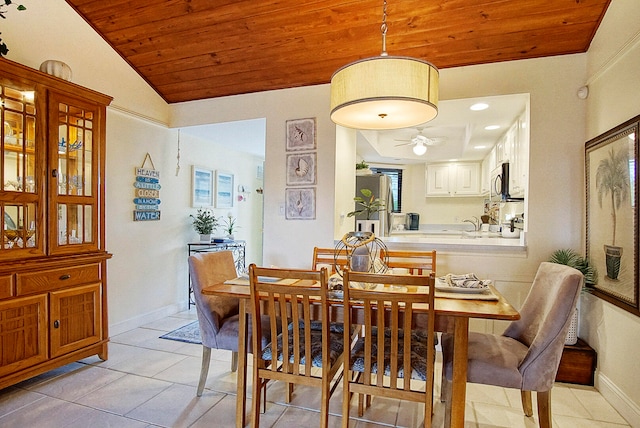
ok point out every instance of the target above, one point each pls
(6, 286)
(57, 278)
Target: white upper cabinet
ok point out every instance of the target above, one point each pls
(453, 179)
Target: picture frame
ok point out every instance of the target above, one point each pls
(201, 187)
(224, 189)
(301, 134)
(301, 169)
(612, 214)
(300, 203)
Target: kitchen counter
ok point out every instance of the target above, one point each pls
(455, 240)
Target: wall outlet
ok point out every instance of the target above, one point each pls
(281, 209)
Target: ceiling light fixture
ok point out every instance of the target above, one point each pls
(419, 148)
(491, 127)
(384, 92)
(479, 107)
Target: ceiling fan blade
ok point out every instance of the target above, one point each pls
(404, 144)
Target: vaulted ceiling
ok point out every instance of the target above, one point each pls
(196, 49)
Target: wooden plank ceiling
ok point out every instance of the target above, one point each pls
(196, 49)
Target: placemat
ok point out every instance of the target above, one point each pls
(245, 281)
(488, 295)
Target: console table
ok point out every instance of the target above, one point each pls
(236, 247)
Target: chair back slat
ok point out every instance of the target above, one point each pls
(418, 262)
(391, 336)
(328, 256)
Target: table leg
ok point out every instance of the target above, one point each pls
(241, 402)
(459, 387)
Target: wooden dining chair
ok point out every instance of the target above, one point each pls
(527, 355)
(395, 344)
(418, 262)
(296, 301)
(218, 316)
(328, 256)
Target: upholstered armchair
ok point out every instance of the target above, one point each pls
(218, 316)
(527, 355)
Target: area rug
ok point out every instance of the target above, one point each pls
(189, 333)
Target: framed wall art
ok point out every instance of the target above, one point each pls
(612, 214)
(301, 169)
(224, 189)
(301, 134)
(300, 203)
(201, 187)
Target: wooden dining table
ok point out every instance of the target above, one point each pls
(453, 312)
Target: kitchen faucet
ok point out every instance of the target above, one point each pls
(475, 222)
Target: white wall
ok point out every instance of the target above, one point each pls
(147, 275)
(613, 64)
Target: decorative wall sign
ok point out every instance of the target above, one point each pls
(301, 134)
(201, 187)
(224, 190)
(301, 169)
(612, 214)
(147, 192)
(300, 203)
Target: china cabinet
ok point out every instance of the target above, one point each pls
(53, 289)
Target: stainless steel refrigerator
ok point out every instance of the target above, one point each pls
(380, 186)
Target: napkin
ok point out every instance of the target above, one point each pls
(467, 280)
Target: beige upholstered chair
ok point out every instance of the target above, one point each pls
(217, 316)
(527, 355)
(402, 347)
(312, 342)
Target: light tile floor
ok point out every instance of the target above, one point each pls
(151, 382)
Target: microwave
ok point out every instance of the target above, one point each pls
(499, 186)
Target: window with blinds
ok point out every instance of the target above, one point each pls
(396, 185)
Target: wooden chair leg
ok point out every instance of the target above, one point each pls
(234, 362)
(204, 369)
(445, 395)
(264, 398)
(445, 389)
(544, 408)
(527, 407)
(346, 399)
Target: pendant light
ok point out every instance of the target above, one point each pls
(384, 92)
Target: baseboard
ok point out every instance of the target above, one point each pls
(619, 400)
(140, 320)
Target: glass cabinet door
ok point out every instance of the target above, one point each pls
(21, 159)
(74, 175)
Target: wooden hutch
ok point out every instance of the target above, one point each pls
(53, 282)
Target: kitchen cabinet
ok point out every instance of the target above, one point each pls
(453, 179)
(53, 300)
(513, 147)
(485, 176)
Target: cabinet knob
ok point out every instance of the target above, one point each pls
(54, 173)
(56, 324)
(65, 276)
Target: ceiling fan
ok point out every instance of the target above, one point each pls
(420, 142)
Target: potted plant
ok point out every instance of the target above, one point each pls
(571, 258)
(369, 204)
(362, 168)
(229, 225)
(612, 179)
(204, 222)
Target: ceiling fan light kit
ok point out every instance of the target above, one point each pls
(420, 149)
(385, 92)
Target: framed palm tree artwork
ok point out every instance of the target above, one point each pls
(612, 213)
